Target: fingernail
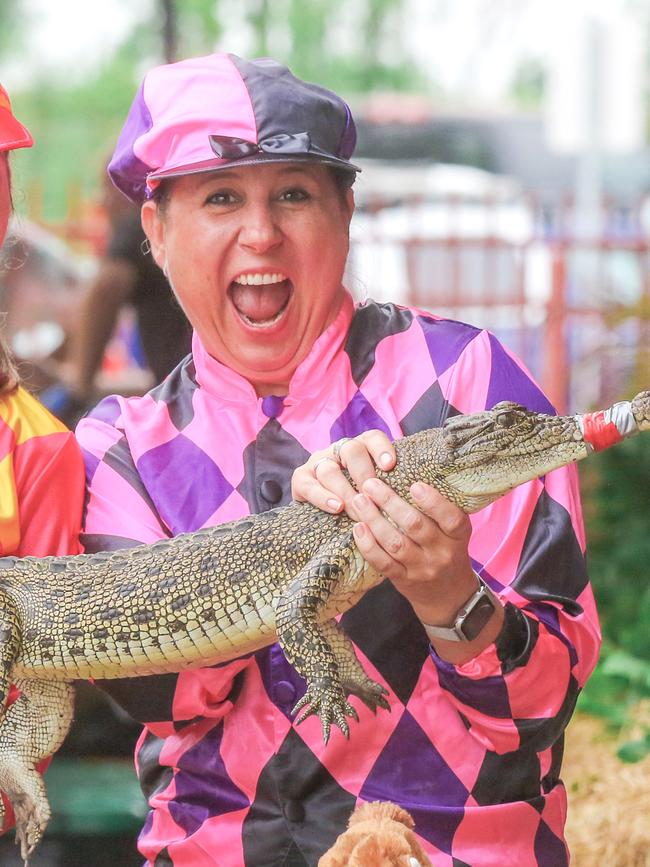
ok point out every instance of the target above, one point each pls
(360, 501)
(372, 484)
(359, 531)
(333, 505)
(385, 460)
(417, 490)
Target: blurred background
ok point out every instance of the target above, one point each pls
(506, 181)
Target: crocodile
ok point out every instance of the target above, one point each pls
(206, 597)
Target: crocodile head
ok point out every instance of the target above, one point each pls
(641, 409)
(486, 454)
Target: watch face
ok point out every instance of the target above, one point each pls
(477, 618)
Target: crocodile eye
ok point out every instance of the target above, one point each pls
(506, 419)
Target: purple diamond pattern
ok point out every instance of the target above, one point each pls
(185, 499)
(446, 340)
(358, 416)
(203, 787)
(400, 769)
(508, 379)
(487, 695)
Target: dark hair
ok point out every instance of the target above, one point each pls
(343, 181)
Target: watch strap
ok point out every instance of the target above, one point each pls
(470, 619)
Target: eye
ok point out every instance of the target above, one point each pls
(295, 194)
(221, 197)
(506, 418)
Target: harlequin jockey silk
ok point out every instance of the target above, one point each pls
(207, 113)
(12, 133)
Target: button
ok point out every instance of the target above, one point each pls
(294, 811)
(285, 692)
(272, 405)
(271, 491)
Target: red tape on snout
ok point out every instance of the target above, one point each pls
(600, 434)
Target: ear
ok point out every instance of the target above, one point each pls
(154, 228)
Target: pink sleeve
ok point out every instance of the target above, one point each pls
(529, 546)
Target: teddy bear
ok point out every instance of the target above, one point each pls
(379, 834)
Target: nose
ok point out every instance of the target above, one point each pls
(259, 231)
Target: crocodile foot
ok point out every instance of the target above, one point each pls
(369, 691)
(31, 821)
(330, 703)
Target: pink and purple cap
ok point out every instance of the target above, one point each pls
(211, 112)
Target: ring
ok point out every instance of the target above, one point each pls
(338, 445)
(322, 461)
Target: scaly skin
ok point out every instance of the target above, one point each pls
(216, 594)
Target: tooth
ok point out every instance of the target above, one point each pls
(259, 279)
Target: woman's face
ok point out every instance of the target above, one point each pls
(256, 256)
(5, 196)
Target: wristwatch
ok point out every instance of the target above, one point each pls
(470, 620)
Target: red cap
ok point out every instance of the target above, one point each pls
(12, 133)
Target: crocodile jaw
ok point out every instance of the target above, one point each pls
(558, 442)
(473, 488)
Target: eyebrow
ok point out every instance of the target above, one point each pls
(228, 174)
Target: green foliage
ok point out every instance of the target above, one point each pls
(75, 127)
(616, 491)
(307, 28)
(634, 751)
(11, 25)
(198, 25)
(619, 544)
(529, 81)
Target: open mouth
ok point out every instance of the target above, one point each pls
(261, 299)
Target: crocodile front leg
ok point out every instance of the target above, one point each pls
(32, 729)
(304, 640)
(353, 677)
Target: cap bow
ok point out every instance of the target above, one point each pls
(231, 148)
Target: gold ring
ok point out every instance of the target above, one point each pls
(322, 461)
(338, 445)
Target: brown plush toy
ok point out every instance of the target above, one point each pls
(379, 834)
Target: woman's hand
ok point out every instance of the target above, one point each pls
(420, 547)
(320, 480)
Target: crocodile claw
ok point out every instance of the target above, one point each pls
(331, 706)
(30, 825)
(370, 692)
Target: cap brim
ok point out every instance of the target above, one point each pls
(12, 133)
(219, 164)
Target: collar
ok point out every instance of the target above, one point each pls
(308, 379)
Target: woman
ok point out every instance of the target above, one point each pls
(41, 471)
(246, 182)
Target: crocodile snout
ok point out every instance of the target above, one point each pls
(641, 410)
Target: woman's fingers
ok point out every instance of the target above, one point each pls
(321, 480)
(453, 522)
(375, 554)
(405, 542)
(361, 455)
